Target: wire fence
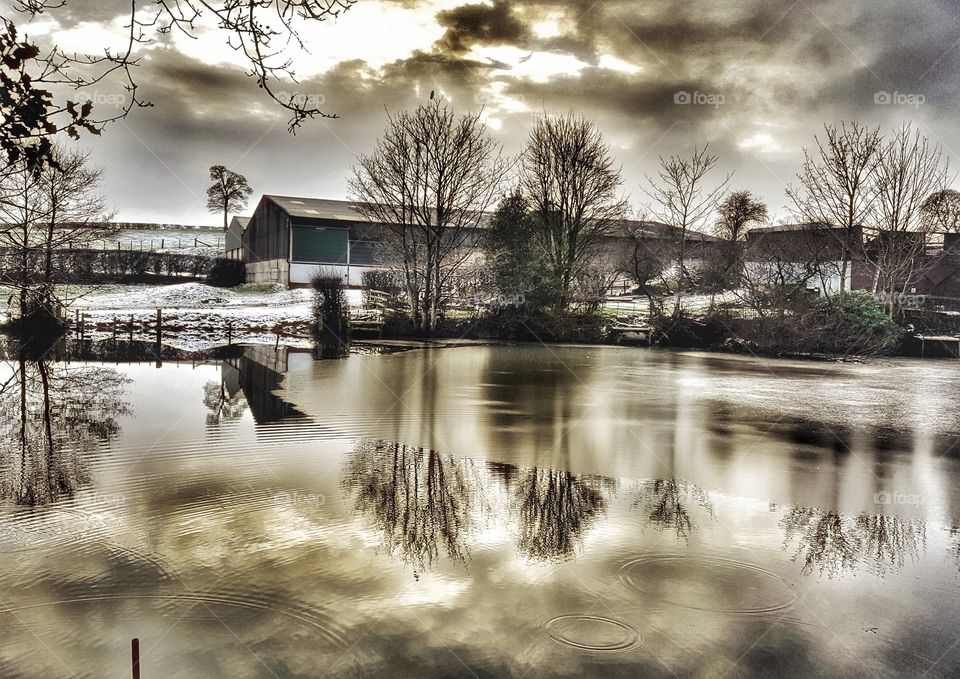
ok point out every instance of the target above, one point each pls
(157, 244)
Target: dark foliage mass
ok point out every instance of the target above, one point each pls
(103, 266)
(226, 273)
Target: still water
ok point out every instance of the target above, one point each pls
(479, 511)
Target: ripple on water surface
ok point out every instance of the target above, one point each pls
(179, 633)
(593, 633)
(709, 584)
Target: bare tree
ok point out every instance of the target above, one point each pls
(228, 193)
(59, 208)
(37, 80)
(681, 198)
(836, 184)
(737, 212)
(906, 170)
(942, 210)
(427, 183)
(647, 257)
(569, 178)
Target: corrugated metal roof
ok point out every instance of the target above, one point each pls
(314, 208)
(344, 210)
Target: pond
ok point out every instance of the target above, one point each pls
(478, 511)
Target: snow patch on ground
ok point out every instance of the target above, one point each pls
(193, 296)
(196, 316)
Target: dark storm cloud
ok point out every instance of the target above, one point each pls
(468, 25)
(782, 69)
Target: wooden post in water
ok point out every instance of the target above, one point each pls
(159, 333)
(229, 333)
(130, 328)
(135, 657)
(114, 327)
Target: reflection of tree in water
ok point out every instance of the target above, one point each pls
(833, 543)
(955, 534)
(555, 510)
(55, 413)
(667, 502)
(221, 406)
(418, 499)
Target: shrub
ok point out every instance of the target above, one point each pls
(226, 273)
(329, 304)
(853, 323)
(847, 324)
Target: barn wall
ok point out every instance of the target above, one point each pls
(269, 271)
(267, 237)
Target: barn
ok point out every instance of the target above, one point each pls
(289, 239)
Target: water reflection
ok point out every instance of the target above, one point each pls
(648, 514)
(54, 415)
(257, 371)
(419, 500)
(555, 510)
(834, 544)
(667, 502)
(224, 402)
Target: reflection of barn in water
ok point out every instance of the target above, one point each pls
(258, 372)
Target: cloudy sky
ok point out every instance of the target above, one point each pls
(756, 79)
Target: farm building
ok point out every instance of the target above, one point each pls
(810, 252)
(233, 238)
(289, 239)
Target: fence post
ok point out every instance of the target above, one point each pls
(135, 657)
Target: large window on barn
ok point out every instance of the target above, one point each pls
(318, 245)
(363, 252)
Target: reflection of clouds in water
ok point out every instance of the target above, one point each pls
(423, 503)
